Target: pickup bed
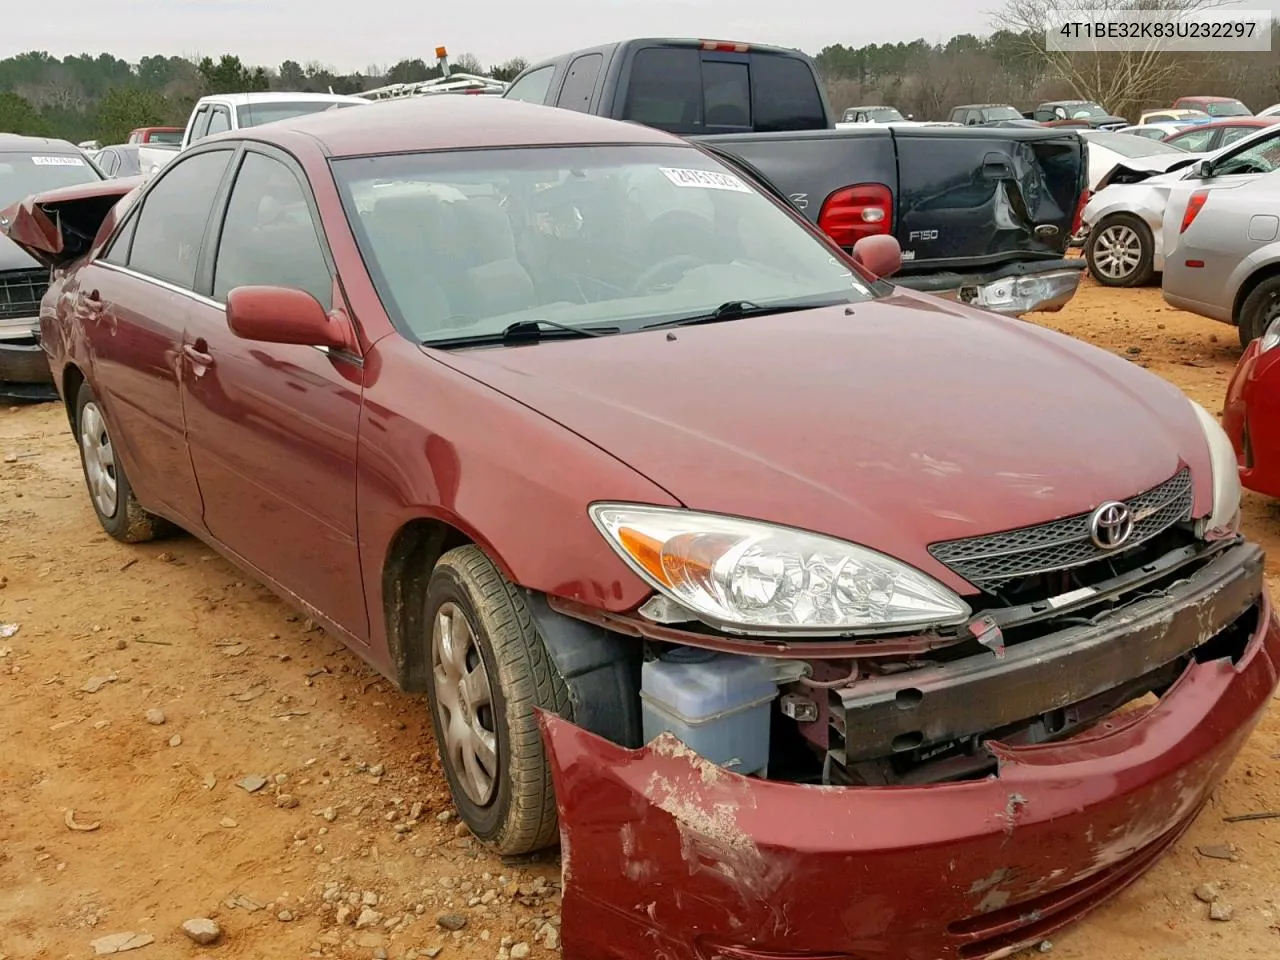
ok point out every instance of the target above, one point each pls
(982, 214)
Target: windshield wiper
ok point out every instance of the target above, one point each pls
(737, 309)
(522, 331)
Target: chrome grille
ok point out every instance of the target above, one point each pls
(21, 292)
(992, 560)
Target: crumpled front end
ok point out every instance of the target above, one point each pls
(1014, 289)
(668, 855)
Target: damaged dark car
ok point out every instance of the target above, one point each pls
(719, 567)
(29, 165)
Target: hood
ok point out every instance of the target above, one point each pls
(13, 257)
(59, 226)
(907, 422)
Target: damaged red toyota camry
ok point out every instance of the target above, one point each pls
(812, 616)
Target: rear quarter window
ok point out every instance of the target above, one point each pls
(785, 95)
(580, 83)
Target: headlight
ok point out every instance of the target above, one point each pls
(744, 576)
(1224, 520)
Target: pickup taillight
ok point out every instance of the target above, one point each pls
(1078, 221)
(851, 213)
(1194, 205)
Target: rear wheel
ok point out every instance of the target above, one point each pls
(1121, 252)
(489, 672)
(1259, 310)
(110, 492)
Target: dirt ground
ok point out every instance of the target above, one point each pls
(354, 822)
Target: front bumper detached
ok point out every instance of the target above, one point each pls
(667, 855)
(1014, 290)
(24, 370)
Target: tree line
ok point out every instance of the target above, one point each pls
(104, 97)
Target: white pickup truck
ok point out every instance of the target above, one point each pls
(234, 111)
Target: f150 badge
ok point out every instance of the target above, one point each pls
(925, 235)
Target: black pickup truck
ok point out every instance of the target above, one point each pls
(982, 214)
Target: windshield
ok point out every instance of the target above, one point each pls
(884, 114)
(256, 114)
(165, 136)
(1229, 108)
(1001, 113)
(22, 174)
(1130, 146)
(464, 244)
(1083, 111)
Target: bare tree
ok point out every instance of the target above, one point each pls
(1118, 79)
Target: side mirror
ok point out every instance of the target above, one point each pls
(881, 254)
(1201, 170)
(283, 315)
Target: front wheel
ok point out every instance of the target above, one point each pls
(489, 672)
(1121, 252)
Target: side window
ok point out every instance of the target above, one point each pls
(580, 83)
(1261, 156)
(726, 94)
(269, 237)
(174, 215)
(219, 121)
(1194, 140)
(665, 89)
(1232, 134)
(200, 126)
(973, 117)
(784, 95)
(532, 87)
(117, 250)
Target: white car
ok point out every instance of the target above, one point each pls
(1108, 148)
(1157, 130)
(1132, 221)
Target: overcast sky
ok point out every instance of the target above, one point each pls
(353, 34)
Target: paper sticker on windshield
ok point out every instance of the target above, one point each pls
(57, 161)
(707, 179)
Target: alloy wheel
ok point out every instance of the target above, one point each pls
(1117, 251)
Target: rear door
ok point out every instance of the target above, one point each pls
(985, 195)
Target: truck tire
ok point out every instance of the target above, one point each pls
(489, 670)
(1120, 251)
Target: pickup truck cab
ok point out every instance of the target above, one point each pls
(982, 215)
(170, 135)
(976, 114)
(235, 111)
(1086, 112)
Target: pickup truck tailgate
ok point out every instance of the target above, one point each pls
(974, 198)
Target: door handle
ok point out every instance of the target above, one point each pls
(197, 356)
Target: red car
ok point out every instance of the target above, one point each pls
(1249, 414)
(1214, 106)
(1208, 137)
(719, 557)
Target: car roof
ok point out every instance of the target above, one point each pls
(14, 143)
(450, 122)
(1213, 99)
(276, 96)
(981, 106)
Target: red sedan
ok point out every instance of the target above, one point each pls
(1208, 137)
(1250, 413)
(717, 555)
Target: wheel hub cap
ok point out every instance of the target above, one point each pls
(99, 460)
(464, 704)
(1117, 251)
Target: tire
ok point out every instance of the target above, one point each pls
(1121, 252)
(110, 493)
(1260, 308)
(509, 804)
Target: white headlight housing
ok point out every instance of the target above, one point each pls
(744, 576)
(1224, 519)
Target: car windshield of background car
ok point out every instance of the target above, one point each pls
(464, 244)
(22, 174)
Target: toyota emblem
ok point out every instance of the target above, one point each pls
(1111, 525)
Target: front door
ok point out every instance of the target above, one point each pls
(272, 427)
(133, 306)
